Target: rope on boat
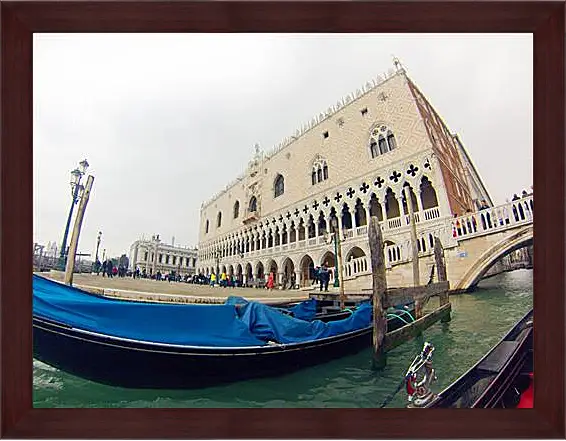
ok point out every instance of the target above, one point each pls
(400, 318)
(391, 314)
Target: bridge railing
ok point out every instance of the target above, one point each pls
(492, 219)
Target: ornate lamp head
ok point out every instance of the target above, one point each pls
(83, 166)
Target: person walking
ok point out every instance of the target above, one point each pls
(270, 281)
(324, 276)
(104, 268)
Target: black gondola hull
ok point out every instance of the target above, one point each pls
(135, 364)
(498, 379)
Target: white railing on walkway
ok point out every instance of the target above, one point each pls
(394, 223)
(356, 266)
(431, 213)
(493, 219)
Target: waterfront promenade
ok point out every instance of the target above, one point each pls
(145, 289)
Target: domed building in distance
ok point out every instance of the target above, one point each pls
(347, 164)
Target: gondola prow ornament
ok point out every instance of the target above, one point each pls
(419, 378)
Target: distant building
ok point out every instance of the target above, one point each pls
(154, 255)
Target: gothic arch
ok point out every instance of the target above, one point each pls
(307, 270)
(354, 253)
(391, 204)
(429, 198)
(272, 266)
(329, 258)
(259, 270)
(249, 271)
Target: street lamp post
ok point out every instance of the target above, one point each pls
(96, 261)
(339, 269)
(76, 176)
(98, 244)
(336, 239)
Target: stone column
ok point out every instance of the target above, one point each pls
(298, 278)
(437, 182)
(154, 263)
(419, 202)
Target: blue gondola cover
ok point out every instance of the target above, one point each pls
(237, 323)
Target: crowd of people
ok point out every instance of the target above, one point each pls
(108, 269)
(322, 277)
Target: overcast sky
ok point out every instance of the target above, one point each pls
(167, 120)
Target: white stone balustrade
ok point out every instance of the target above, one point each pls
(356, 266)
(493, 219)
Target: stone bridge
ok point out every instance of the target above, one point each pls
(473, 243)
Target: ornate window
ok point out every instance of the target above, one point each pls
(219, 219)
(236, 209)
(382, 140)
(319, 170)
(279, 186)
(253, 204)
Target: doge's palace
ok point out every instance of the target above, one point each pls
(357, 159)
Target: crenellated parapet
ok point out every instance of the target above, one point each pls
(334, 109)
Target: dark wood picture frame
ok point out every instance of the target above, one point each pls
(19, 20)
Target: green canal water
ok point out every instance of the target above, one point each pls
(479, 320)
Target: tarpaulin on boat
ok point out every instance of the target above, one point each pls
(192, 325)
(269, 324)
(305, 310)
(236, 323)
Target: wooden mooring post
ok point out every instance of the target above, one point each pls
(442, 277)
(384, 298)
(379, 288)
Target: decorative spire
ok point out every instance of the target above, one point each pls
(397, 63)
(257, 154)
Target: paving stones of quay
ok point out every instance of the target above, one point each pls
(175, 292)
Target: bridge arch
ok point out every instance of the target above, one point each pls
(520, 239)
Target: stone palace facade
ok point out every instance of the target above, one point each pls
(347, 164)
(154, 255)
